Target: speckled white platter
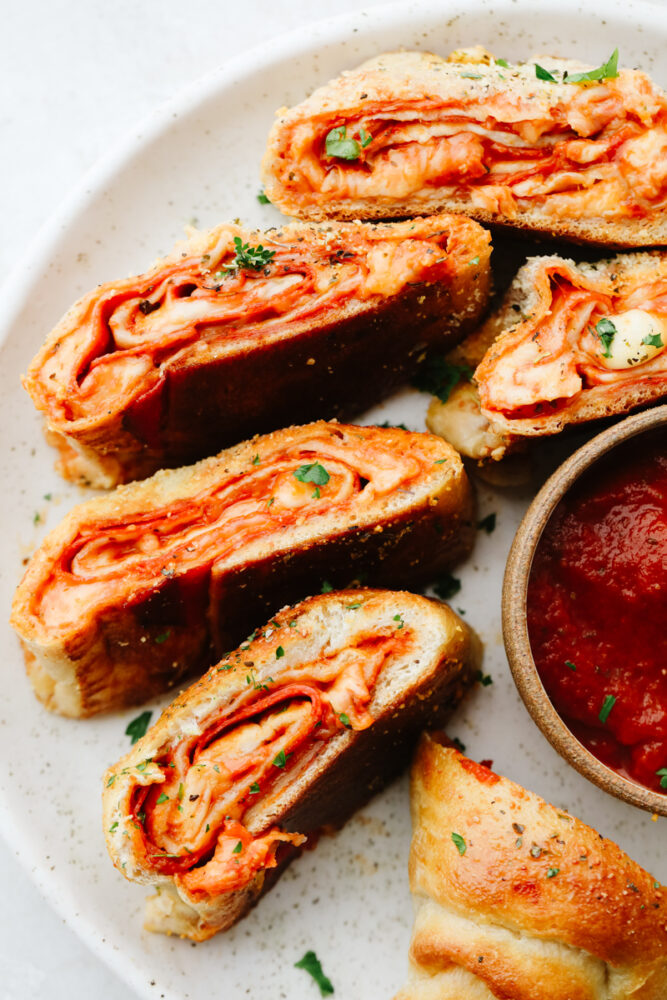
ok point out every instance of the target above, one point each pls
(198, 159)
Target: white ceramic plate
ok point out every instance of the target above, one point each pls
(348, 900)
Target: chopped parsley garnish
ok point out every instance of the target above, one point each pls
(439, 377)
(473, 261)
(487, 524)
(366, 138)
(662, 774)
(552, 871)
(311, 964)
(344, 147)
(111, 780)
(471, 76)
(238, 848)
(255, 460)
(247, 258)
(535, 851)
(37, 517)
(315, 495)
(386, 423)
(254, 788)
(345, 719)
(262, 199)
(502, 62)
(653, 340)
(251, 678)
(543, 74)
(326, 587)
(606, 332)
(163, 798)
(607, 705)
(114, 826)
(280, 759)
(181, 791)
(484, 679)
(459, 843)
(440, 461)
(570, 664)
(461, 747)
(354, 605)
(447, 586)
(607, 71)
(162, 637)
(48, 496)
(313, 473)
(401, 623)
(137, 728)
(279, 652)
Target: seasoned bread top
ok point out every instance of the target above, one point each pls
(511, 94)
(527, 866)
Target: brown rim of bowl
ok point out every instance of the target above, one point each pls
(515, 626)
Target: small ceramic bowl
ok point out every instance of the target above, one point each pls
(515, 626)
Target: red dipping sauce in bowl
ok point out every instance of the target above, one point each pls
(597, 609)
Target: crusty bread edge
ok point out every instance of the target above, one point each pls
(78, 657)
(449, 666)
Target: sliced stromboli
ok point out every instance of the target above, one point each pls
(138, 588)
(409, 132)
(287, 735)
(239, 332)
(516, 899)
(571, 343)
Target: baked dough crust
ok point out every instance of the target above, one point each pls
(419, 109)
(136, 589)
(431, 658)
(167, 367)
(538, 905)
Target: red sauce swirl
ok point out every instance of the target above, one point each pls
(597, 610)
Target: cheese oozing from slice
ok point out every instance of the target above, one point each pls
(637, 337)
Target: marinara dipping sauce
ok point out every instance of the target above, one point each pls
(597, 609)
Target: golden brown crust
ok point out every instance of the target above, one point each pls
(203, 386)
(144, 634)
(537, 903)
(416, 687)
(404, 85)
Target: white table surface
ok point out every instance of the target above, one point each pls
(75, 75)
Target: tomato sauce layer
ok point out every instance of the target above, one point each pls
(597, 610)
(194, 824)
(124, 337)
(125, 559)
(575, 161)
(561, 355)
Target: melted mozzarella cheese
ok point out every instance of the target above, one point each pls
(639, 336)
